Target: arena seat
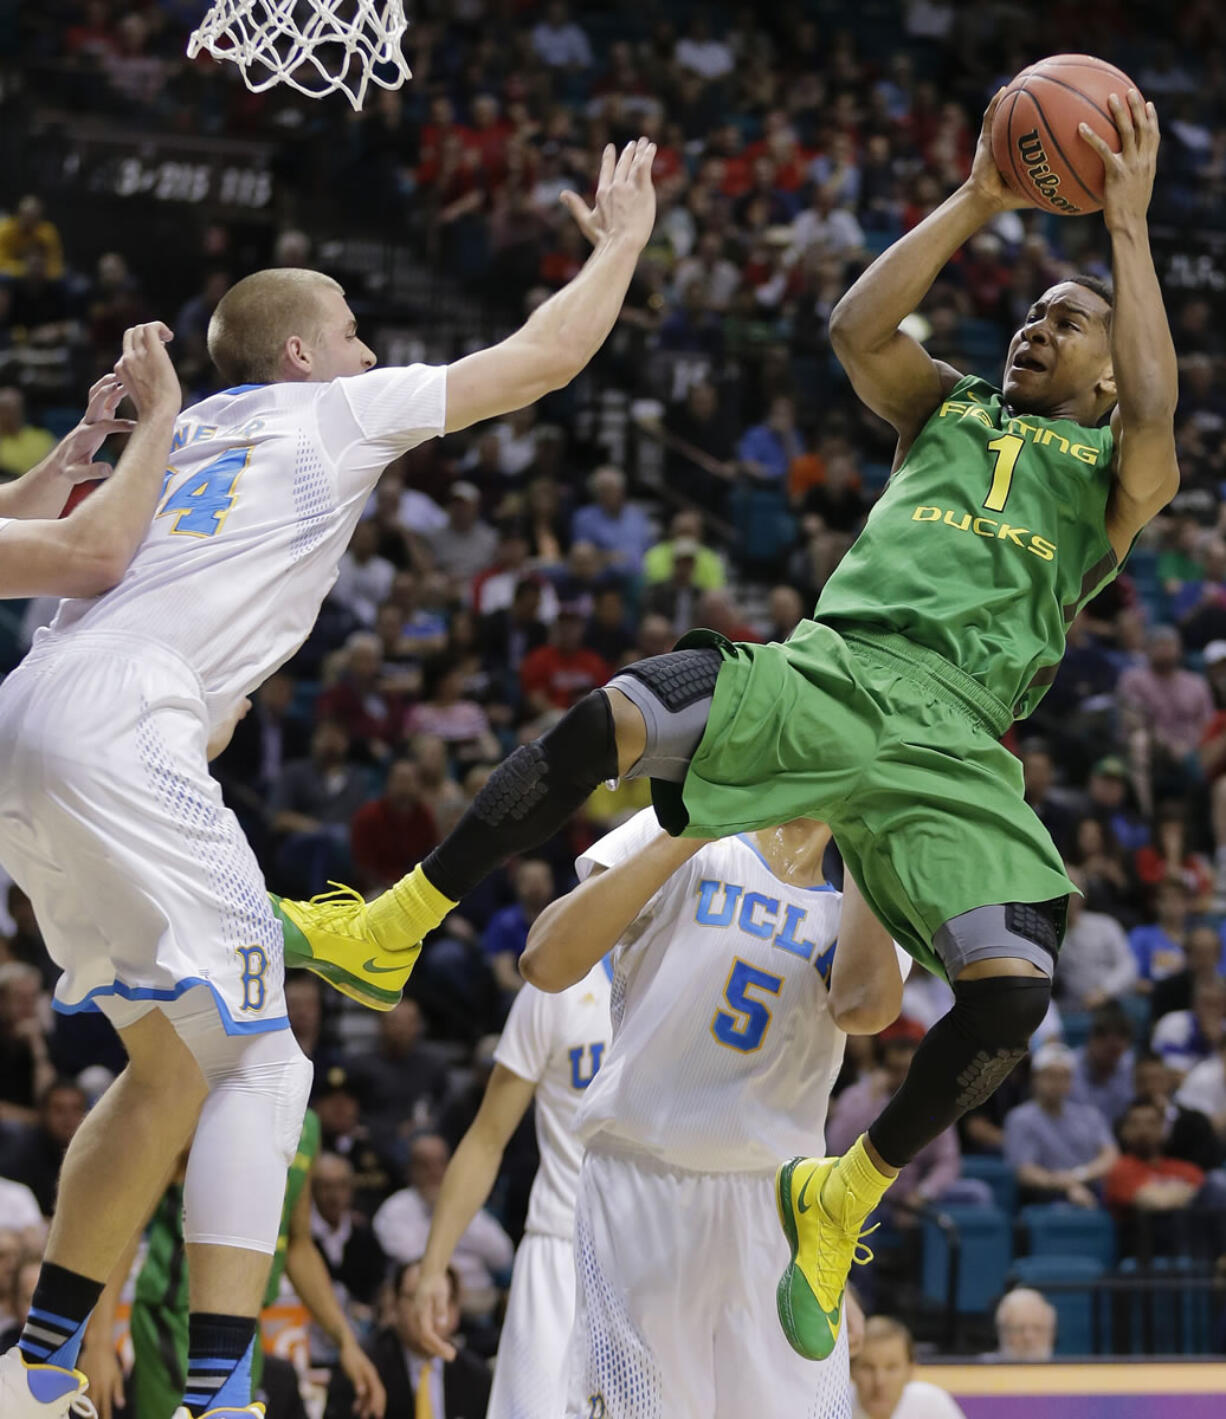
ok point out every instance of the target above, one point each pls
(986, 1236)
(1059, 1230)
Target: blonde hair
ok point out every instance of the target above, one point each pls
(258, 314)
(887, 1328)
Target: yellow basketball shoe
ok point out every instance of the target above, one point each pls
(366, 950)
(809, 1297)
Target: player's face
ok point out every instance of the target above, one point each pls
(336, 350)
(1062, 353)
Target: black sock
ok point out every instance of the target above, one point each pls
(528, 797)
(63, 1301)
(219, 1350)
(961, 1062)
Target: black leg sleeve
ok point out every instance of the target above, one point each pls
(961, 1062)
(528, 797)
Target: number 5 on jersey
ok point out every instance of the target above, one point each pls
(203, 500)
(744, 1028)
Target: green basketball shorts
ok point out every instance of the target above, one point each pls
(891, 745)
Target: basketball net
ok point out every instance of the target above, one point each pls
(315, 46)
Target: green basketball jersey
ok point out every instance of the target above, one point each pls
(988, 539)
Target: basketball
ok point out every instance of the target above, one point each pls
(1035, 140)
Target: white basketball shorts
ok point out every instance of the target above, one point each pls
(530, 1372)
(675, 1301)
(140, 876)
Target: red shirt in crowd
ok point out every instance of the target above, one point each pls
(1129, 1175)
(387, 842)
(562, 678)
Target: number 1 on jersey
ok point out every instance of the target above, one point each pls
(1006, 448)
(204, 498)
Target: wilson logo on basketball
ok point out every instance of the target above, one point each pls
(1038, 170)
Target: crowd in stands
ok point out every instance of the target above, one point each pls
(499, 576)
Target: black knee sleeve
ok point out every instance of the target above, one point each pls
(528, 797)
(961, 1062)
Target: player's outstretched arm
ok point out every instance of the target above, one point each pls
(561, 336)
(43, 491)
(892, 373)
(467, 1183)
(87, 552)
(865, 981)
(572, 934)
(1142, 351)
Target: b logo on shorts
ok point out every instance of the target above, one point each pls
(255, 963)
(595, 1407)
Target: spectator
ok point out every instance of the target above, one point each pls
(26, 943)
(1058, 1149)
(1168, 853)
(933, 1174)
(264, 742)
(311, 808)
(702, 54)
(364, 579)
(346, 1239)
(439, 791)
(607, 633)
(1096, 961)
(21, 1226)
(402, 1081)
(1025, 1327)
(1039, 776)
(25, 231)
(1166, 707)
(1202, 965)
(1143, 1180)
(1109, 792)
(1096, 853)
(766, 449)
(786, 610)
(360, 703)
(559, 674)
(686, 528)
(883, 1371)
(389, 836)
(701, 442)
(338, 1103)
(446, 712)
(466, 546)
(507, 933)
(559, 42)
(1159, 945)
(33, 1152)
(1186, 1037)
(458, 1389)
(22, 445)
(26, 1068)
(402, 1225)
(619, 529)
(1103, 1074)
(1188, 1133)
(494, 589)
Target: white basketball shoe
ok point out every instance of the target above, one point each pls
(41, 1391)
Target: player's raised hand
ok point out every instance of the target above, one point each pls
(1129, 174)
(145, 370)
(431, 1303)
(625, 205)
(985, 179)
(73, 456)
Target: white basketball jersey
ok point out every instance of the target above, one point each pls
(558, 1042)
(264, 488)
(724, 1052)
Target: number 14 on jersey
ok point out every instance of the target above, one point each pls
(201, 503)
